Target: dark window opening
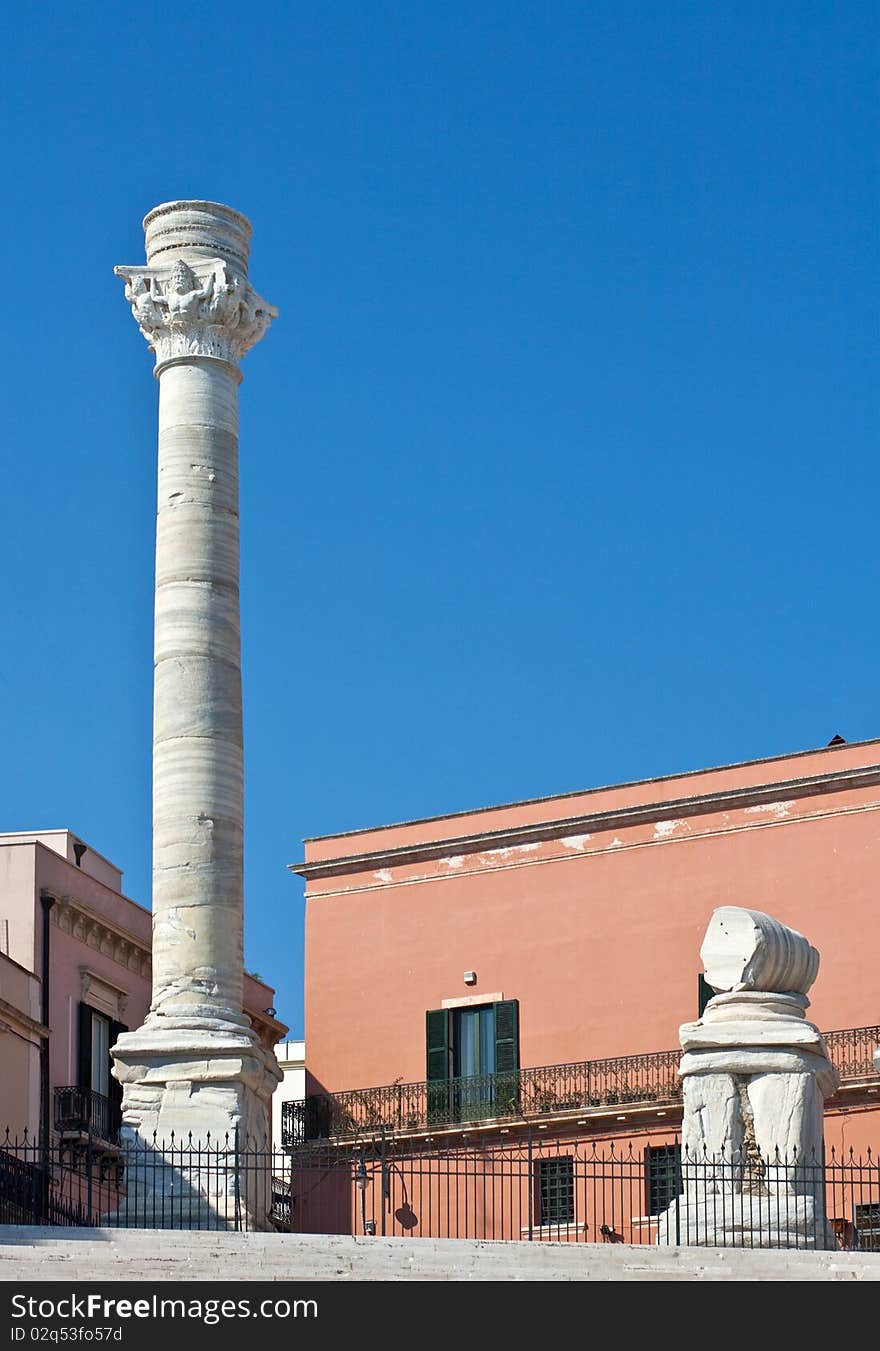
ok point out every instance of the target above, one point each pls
(473, 1061)
(473, 1041)
(663, 1177)
(100, 1097)
(556, 1190)
(867, 1225)
(100, 1055)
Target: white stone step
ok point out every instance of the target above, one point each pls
(33, 1253)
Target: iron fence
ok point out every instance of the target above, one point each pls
(527, 1187)
(27, 1191)
(576, 1191)
(650, 1079)
(169, 1184)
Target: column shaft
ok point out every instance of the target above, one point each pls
(197, 727)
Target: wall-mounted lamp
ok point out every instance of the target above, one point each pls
(361, 1179)
(470, 977)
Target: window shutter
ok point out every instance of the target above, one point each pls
(438, 1024)
(506, 1035)
(84, 1064)
(506, 1088)
(438, 1043)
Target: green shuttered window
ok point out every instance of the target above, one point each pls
(472, 1061)
(438, 1032)
(506, 1035)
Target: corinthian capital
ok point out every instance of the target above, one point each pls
(205, 310)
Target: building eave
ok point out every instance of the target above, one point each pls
(601, 788)
(617, 818)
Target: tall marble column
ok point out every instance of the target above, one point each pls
(195, 1066)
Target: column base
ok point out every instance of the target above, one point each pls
(744, 1220)
(196, 1132)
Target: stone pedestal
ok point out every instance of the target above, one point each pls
(195, 1070)
(755, 1074)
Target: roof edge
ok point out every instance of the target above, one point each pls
(584, 792)
(862, 776)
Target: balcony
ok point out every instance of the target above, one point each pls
(852, 1051)
(85, 1117)
(552, 1091)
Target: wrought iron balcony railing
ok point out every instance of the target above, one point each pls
(82, 1111)
(852, 1051)
(632, 1080)
(528, 1093)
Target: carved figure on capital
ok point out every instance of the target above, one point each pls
(183, 294)
(227, 299)
(143, 305)
(209, 312)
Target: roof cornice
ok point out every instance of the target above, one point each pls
(74, 917)
(617, 818)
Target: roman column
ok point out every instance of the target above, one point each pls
(755, 1074)
(195, 1067)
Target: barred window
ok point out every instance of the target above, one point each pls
(663, 1176)
(556, 1190)
(867, 1224)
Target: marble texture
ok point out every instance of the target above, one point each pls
(748, 950)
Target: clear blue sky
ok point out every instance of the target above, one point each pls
(558, 468)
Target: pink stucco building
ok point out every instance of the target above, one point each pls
(74, 971)
(22, 1035)
(488, 970)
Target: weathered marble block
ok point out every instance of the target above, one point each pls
(755, 1074)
